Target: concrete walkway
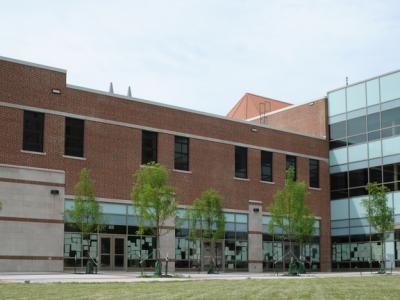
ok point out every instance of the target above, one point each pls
(104, 277)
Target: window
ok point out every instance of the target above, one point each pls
(337, 130)
(149, 147)
(374, 121)
(240, 162)
(358, 177)
(339, 181)
(181, 153)
(391, 117)
(291, 162)
(356, 126)
(266, 166)
(33, 131)
(375, 174)
(74, 132)
(314, 173)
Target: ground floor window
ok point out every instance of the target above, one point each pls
(364, 251)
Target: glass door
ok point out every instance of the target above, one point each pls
(112, 253)
(119, 253)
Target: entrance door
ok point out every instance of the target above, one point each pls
(112, 253)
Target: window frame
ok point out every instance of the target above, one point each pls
(292, 158)
(241, 162)
(37, 119)
(72, 151)
(266, 161)
(181, 154)
(314, 180)
(153, 136)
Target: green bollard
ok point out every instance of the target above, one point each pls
(89, 267)
(157, 271)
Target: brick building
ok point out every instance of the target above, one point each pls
(49, 130)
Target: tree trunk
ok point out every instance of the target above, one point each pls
(383, 252)
(212, 251)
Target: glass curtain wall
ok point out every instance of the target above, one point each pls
(364, 134)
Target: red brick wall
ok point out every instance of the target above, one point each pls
(113, 153)
(306, 118)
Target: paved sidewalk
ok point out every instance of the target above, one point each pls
(104, 277)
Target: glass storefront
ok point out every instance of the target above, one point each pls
(276, 249)
(116, 246)
(231, 252)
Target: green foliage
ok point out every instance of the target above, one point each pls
(152, 197)
(380, 216)
(207, 219)
(86, 213)
(290, 212)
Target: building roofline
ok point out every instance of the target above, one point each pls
(284, 109)
(90, 90)
(104, 93)
(27, 63)
(362, 81)
(267, 98)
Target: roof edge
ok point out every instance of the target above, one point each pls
(30, 64)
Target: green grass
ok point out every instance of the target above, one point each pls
(376, 287)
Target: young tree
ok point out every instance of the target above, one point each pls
(154, 201)
(380, 216)
(86, 213)
(291, 214)
(207, 220)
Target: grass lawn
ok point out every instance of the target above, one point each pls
(377, 287)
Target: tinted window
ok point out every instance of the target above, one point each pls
(356, 126)
(291, 162)
(375, 174)
(181, 153)
(240, 162)
(391, 117)
(373, 121)
(358, 192)
(33, 131)
(357, 139)
(314, 173)
(388, 173)
(74, 133)
(339, 181)
(337, 130)
(375, 135)
(149, 147)
(337, 144)
(358, 177)
(339, 194)
(266, 166)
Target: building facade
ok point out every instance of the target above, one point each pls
(364, 125)
(50, 130)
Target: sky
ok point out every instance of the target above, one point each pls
(204, 55)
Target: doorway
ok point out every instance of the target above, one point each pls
(112, 252)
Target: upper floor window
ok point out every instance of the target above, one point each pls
(240, 162)
(33, 131)
(314, 173)
(291, 162)
(149, 146)
(181, 153)
(266, 166)
(74, 135)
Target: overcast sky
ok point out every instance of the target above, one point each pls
(205, 55)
